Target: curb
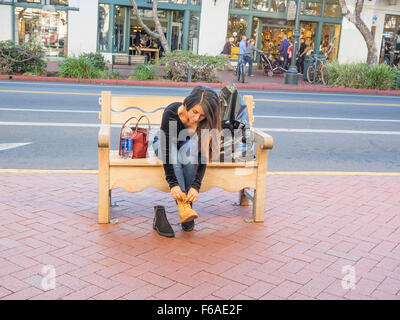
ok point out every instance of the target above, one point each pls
(194, 84)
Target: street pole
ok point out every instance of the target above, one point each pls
(291, 75)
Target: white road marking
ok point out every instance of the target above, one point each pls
(322, 118)
(48, 110)
(290, 130)
(6, 146)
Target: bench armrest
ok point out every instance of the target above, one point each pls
(103, 139)
(263, 139)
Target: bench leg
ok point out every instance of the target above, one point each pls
(261, 186)
(104, 190)
(104, 204)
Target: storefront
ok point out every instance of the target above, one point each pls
(266, 22)
(119, 30)
(44, 22)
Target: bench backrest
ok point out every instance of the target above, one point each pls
(138, 59)
(120, 59)
(116, 109)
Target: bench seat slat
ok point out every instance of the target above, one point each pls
(139, 178)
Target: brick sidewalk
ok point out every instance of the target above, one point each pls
(314, 227)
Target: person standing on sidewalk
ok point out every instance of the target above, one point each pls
(227, 48)
(301, 54)
(227, 51)
(283, 52)
(185, 146)
(242, 48)
(290, 52)
(248, 56)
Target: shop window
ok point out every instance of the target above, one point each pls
(47, 28)
(195, 2)
(120, 20)
(332, 9)
(312, 8)
(330, 40)
(278, 6)
(139, 39)
(237, 27)
(59, 2)
(272, 37)
(260, 5)
(104, 27)
(193, 37)
(240, 4)
(307, 31)
(177, 30)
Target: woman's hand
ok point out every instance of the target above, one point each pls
(192, 195)
(177, 193)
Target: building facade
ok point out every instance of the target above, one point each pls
(71, 27)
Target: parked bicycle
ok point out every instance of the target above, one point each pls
(316, 71)
(240, 70)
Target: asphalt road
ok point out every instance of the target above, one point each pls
(57, 125)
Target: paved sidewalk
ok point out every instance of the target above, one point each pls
(315, 228)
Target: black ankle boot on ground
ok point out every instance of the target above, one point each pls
(161, 224)
(188, 226)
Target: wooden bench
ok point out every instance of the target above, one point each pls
(135, 175)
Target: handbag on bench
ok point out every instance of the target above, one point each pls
(140, 138)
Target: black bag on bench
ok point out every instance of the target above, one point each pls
(236, 140)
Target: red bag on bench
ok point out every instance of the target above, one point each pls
(140, 138)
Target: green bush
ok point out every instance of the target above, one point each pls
(97, 60)
(178, 63)
(80, 68)
(363, 76)
(20, 59)
(144, 72)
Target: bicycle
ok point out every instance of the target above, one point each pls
(316, 71)
(240, 70)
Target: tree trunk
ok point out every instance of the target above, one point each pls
(159, 34)
(355, 18)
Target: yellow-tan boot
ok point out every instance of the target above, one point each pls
(186, 213)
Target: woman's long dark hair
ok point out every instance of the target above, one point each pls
(210, 102)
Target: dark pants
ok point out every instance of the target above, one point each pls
(283, 63)
(300, 64)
